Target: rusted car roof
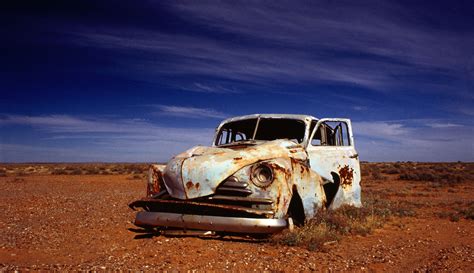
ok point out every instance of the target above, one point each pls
(289, 116)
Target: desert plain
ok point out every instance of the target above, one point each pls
(417, 217)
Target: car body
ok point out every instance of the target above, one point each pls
(262, 173)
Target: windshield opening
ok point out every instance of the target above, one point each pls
(266, 129)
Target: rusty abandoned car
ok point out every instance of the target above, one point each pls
(262, 173)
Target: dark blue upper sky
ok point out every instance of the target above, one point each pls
(143, 80)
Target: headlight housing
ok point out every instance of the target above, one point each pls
(261, 175)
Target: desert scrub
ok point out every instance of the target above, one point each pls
(445, 173)
(58, 172)
(331, 225)
(468, 213)
(76, 171)
(135, 177)
(465, 211)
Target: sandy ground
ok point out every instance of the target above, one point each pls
(82, 222)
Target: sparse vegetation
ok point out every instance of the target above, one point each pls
(76, 171)
(443, 210)
(59, 171)
(72, 169)
(468, 213)
(443, 173)
(331, 225)
(21, 173)
(458, 211)
(137, 176)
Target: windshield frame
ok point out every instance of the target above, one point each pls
(252, 140)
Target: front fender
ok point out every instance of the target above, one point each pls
(309, 186)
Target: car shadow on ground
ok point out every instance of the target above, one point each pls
(142, 233)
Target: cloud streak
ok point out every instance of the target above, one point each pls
(99, 139)
(189, 112)
(322, 44)
(415, 140)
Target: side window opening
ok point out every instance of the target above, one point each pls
(331, 133)
(318, 137)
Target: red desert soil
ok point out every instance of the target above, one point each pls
(66, 221)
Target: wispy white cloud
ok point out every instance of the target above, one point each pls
(125, 127)
(310, 42)
(107, 139)
(70, 138)
(444, 125)
(210, 88)
(294, 44)
(380, 129)
(386, 29)
(260, 66)
(189, 112)
(415, 140)
(359, 108)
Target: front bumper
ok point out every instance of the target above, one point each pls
(208, 222)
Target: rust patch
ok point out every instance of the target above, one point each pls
(278, 167)
(189, 184)
(346, 175)
(284, 171)
(285, 202)
(149, 201)
(155, 181)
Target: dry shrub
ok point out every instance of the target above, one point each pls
(432, 176)
(331, 225)
(117, 170)
(91, 171)
(468, 213)
(69, 168)
(136, 177)
(98, 169)
(135, 168)
(365, 169)
(377, 176)
(445, 173)
(58, 171)
(21, 173)
(462, 210)
(392, 170)
(105, 171)
(312, 235)
(76, 171)
(3, 173)
(452, 216)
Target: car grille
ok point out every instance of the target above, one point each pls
(230, 199)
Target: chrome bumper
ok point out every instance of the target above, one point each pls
(213, 223)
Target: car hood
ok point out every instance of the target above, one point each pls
(198, 171)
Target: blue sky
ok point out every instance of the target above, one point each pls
(143, 80)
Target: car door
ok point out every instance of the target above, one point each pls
(333, 156)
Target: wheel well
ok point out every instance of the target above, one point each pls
(296, 209)
(330, 189)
